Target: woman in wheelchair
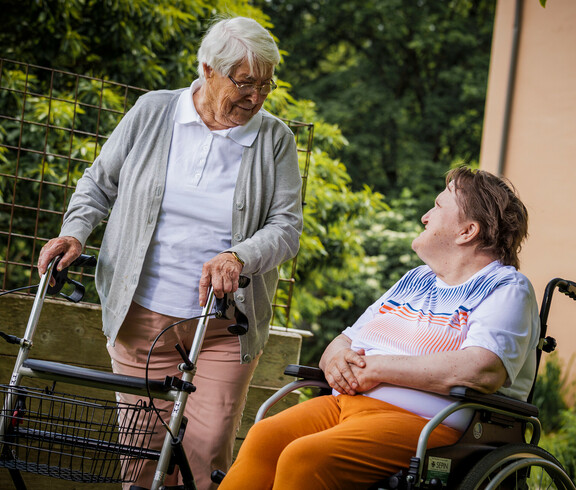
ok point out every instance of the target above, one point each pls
(466, 318)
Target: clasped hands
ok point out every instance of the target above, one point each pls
(350, 372)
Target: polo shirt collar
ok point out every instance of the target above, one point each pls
(186, 114)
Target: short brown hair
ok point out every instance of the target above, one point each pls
(494, 204)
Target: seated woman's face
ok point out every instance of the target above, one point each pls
(442, 226)
(229, 107)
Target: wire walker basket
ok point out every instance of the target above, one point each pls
(75, 438)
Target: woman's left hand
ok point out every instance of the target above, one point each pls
(222, 273)
(367, 376)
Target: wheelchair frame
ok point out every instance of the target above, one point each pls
(496, 443)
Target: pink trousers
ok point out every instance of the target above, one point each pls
(214, 410)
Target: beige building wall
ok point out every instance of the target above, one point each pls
(540, 142)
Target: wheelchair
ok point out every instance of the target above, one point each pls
(499, 449)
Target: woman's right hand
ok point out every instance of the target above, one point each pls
(336, 363)
(69, 248)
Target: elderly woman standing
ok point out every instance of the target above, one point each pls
(466, 318)
(201, 185)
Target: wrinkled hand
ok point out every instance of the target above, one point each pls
(69, 248)
(223, 273)
(367, 376)
(342, 371)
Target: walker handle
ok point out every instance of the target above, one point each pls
(226, 308)
(61, 278)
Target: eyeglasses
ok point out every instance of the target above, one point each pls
(250, 88)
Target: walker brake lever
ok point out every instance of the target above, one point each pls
(189, 364)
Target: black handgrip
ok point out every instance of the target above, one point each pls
(85, 261)
(226, 308)
(568, 288)
(564, 286)
(241, 325)
(548, 344)
(61, 278)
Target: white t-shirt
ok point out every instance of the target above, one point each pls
(495, 309)
(195, 219)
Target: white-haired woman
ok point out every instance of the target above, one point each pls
(202, 185)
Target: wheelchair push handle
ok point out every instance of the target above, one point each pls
(568, 288)
(564, 286)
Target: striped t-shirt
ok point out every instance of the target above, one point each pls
(495, 309)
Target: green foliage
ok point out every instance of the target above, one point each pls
(102, 44)
(398, 90)
(551, 386)
(404, 81)
(354, 245)
(145, 43)
(558, 421)
(561, 442)
(405, 84)
(332, 251)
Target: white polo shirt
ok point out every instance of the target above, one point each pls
(195, 219)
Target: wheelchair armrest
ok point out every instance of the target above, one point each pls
(463, 393)
(305, 372)
(495, 400)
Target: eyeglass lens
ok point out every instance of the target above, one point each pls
(250, 88)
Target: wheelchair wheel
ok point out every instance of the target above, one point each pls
(517, 467)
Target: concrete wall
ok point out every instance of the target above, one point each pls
(540, 159)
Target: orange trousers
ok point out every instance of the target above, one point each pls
(214, 410)
(344, 442)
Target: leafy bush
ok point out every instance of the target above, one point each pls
(558, 421)
(548, 394)
(561, 443)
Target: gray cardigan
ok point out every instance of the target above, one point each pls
(128, 178)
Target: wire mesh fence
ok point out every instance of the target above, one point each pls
(53, 124)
